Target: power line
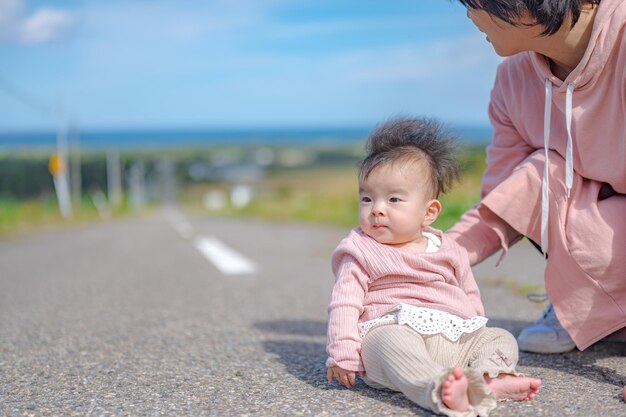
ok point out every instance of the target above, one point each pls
(24, 97)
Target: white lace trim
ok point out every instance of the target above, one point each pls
(426, 321)
(433, 242)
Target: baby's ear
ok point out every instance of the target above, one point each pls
(433, 208)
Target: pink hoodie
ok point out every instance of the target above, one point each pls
(579, 126)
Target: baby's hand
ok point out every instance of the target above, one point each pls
(345, 378)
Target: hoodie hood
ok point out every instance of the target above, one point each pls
(605, 36)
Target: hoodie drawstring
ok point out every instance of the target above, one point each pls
(545, 207)
(569, 160)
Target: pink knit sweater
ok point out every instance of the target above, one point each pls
(372, 278)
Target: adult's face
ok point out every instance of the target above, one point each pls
(506, 39)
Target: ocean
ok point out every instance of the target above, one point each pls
(170, 139)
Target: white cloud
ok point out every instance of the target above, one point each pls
(409, 63)
(10, 13)
(44, 25)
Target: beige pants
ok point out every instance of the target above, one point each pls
(398, 358)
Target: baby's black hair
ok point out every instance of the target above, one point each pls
(414, 139)
(550, 14)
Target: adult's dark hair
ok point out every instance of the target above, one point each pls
(411, 140)
(550, 14)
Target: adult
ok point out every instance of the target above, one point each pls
(556, 168)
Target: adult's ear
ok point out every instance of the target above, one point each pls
(433, 208)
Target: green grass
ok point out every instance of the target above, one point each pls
(324, 192)
(21, 216)
(330, 195)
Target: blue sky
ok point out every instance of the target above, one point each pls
(120, 64)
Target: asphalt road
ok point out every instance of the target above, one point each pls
(130, 318)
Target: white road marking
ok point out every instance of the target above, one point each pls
(184, 229)
(227, 260)
(179, 223)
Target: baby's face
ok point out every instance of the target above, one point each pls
(393, 203)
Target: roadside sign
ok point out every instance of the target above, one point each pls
(56, 165)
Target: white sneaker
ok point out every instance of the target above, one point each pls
(546, 335)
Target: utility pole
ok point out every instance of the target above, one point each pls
(75, 169)
(61, 183)
(137, 185)
(114, 179)
(58, 160)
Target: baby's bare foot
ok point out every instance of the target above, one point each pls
(511, 387)
(454, 391)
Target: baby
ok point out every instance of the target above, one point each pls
(405, 311)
